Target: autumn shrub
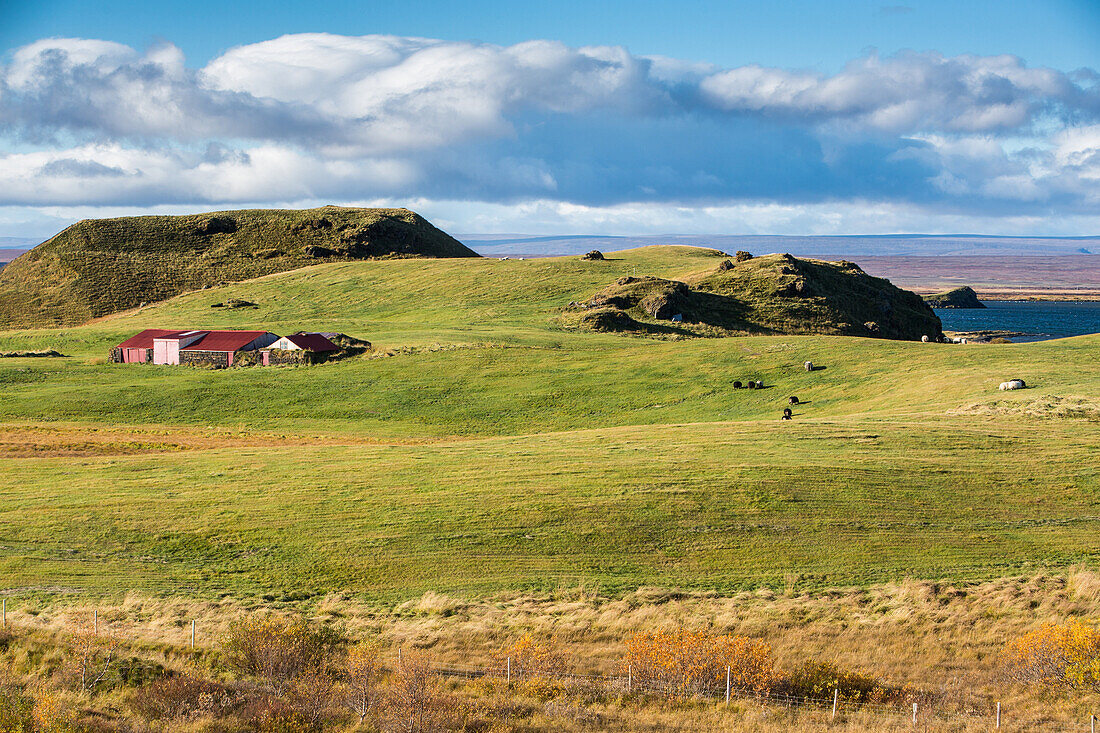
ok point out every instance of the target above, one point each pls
(816, 679)
(685, 663)
(1055, 655)
(269, 714)
(50, 714)
(538, 666)
(277, 650)
(170, 699)
(415, 701)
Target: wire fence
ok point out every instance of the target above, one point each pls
(836, 707)
(926, 710)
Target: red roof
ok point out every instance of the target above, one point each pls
(312, 342)
(144, 340)
(223, 340)
(212, 341)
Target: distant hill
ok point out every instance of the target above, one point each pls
(770, 294)
(101, 266)
(497, 245)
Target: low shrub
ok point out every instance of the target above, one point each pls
(1055, 655)
(277, 650)
(683, 662)
(818, 680)
(178, 698)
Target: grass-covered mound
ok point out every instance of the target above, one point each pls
(101, 266)
(963, 297)
(771, 294)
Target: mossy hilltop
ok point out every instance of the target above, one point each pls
(102, 266)
(770, 294)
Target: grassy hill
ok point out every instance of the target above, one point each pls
(485, 447)
(101, 266)
(771, 294)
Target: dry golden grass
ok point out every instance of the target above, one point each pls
(942, 639)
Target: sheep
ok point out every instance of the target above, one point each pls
(787, 412)
(751, 384)
(792, 400)
(808, 366)
(760, 384)
(1013, 384)
(737, 384)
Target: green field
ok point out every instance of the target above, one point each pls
(485, 448)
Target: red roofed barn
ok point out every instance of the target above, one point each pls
(206, 348)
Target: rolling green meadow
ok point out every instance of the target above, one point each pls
(484, 447)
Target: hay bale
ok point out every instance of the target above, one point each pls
(1013, 384)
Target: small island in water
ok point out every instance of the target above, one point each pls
(963, 297)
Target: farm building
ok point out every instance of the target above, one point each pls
(306, 341)
(203, 348)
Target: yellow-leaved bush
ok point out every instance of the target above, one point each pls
(684, 662)
(1056, 655)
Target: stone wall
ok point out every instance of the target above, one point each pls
(208, 359)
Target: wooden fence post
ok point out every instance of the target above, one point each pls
(914, 713)
(399, 656)
(509, 670)
(836, 694)
(629, 679)
(192, 634)
(998, 715)
(96, 622)
(727, 685)
(5, 613)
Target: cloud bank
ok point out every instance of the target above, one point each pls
(314, 117)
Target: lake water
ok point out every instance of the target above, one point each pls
(1040, 320)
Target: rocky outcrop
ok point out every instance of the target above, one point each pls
(963, 297)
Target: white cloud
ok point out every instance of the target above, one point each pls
(909, 92)
(325, 117)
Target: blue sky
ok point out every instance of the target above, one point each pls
(610, 117)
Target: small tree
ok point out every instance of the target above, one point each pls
(364, 672)
(415, 703)
(92, 655)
